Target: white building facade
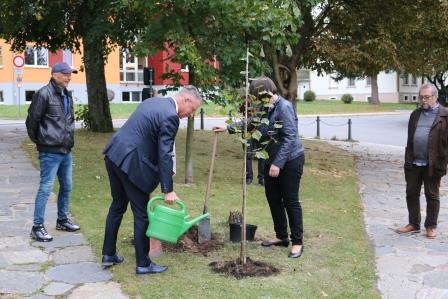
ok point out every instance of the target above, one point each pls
(392, 87)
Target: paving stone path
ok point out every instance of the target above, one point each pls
(63, 268)
(408, 266)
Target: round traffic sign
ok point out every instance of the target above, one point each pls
(18, 61)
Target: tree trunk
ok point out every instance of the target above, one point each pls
(99, 112)
(188, 152)
(374, 85)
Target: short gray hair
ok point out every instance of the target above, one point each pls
(431, 86)
(191, 90)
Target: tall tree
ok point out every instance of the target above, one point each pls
(95, 27)
(362, 43)
(424, 45)
(203, 32)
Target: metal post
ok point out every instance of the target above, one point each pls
(318, 127)
(202, 118)
(349, 129)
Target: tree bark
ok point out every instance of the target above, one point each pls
(188, 152)
(99, 112)
(374, 85)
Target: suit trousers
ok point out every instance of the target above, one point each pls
(282, 194)
(415, 176)
(124, 191)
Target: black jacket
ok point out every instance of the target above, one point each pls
(47, 125)
(282, 128)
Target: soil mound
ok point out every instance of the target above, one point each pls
(189, 243)
(239, 271)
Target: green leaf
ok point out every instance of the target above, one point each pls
(265, 121)
(256, 135)
(243, 141)
(288, 51)
(262, 155)
(278, 126)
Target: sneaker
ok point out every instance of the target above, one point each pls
(67, 225)
(39, 233)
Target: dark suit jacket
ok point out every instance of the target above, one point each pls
(143, 147)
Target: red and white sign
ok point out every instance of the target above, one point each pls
(18, 61)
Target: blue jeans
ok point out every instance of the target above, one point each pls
(50, 166)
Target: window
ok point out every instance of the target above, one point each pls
(29, 95)
(414, 98)
(131, 67)
(423, 80)
(131, 96)
(36, 56)
(67, 57)
(1, 56)
(406, 98)
(351, 82)
(368, 81)
(405, 79)
(414, 80)
(184, 68)
(2, 100)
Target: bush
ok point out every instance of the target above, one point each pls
(309, 96)
(82, 115)
(347, 98)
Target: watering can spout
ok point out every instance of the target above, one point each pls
(188, 224)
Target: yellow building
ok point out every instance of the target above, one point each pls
(124, 73)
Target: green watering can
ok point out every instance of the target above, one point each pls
(168, 224)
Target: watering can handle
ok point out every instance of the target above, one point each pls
(160, 197)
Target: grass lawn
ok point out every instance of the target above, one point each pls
(336, 106)
(212, 110)
(337, 261)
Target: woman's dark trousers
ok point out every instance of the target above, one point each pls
(282, 193)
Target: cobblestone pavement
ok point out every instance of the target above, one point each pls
(63, 268)
(408, 266)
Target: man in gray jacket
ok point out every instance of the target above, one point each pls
(50, 125)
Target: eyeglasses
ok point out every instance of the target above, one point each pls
(425, 97)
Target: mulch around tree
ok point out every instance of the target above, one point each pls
(250, 269)
(189, 243)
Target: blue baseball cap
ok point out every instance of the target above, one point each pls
(62, 67)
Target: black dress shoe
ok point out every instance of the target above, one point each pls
(67, 225)
(297, 254)
(268, 243)
(152, 268)
(110, 260)
(261, 182)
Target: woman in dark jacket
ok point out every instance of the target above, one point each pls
(284, 166)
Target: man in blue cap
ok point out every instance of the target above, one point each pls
(50, 125)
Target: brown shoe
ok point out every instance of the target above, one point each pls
(408, 229)
(431, 232)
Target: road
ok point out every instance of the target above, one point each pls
(389, 129)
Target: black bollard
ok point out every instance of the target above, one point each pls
(349, 129)
(202, 118)
(318, 127)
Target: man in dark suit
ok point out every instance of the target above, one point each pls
(139, 157)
